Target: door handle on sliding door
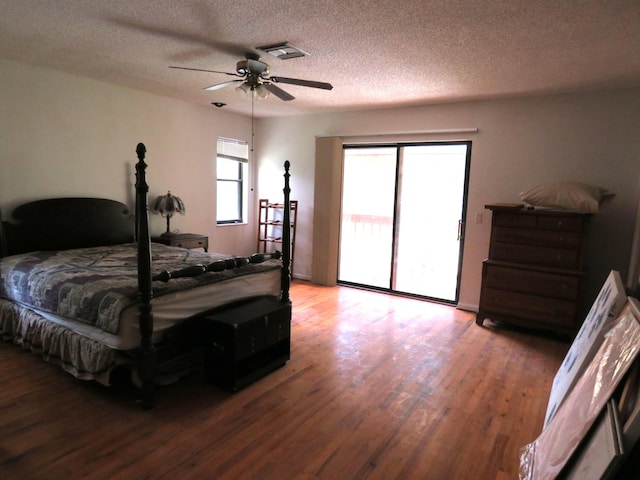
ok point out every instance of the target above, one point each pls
(460, 230)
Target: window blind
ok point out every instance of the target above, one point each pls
(233, 149)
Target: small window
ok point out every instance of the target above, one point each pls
(231, 171)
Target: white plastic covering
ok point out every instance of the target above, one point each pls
(545, 458)
(603, 313)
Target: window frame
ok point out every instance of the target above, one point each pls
(235, 153)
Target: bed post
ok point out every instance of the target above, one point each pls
(147, 353)
(286, 238)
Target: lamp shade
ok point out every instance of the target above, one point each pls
(244, 89)
(257, 91)
(261, 92)
(167, 206)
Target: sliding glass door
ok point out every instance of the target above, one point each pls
(368, 204)
(403, 218)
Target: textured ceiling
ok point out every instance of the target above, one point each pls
(377, 53)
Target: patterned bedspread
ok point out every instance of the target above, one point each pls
(94, 285)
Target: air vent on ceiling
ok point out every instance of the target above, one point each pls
(284, 51)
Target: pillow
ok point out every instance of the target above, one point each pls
(575, 196)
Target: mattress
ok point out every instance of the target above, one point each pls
(94, 291)
(173, 308)
(89, 353)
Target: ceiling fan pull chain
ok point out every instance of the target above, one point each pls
(252, 131)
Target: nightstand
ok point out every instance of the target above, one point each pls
(184, 240)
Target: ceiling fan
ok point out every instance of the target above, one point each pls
(254, 79)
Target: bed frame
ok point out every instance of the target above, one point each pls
(52, 225)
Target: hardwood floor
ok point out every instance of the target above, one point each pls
(378, 387)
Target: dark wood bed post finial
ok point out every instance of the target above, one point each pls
(147, 352)
(286, 237)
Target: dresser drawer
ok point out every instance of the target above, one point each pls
(184, 240)
(565, 287)
(507, 219)
(549, 311)
(562, 224)
(191, 243)
(539, 220)
(535, 255)
(547, 238)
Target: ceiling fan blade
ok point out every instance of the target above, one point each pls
(222, 85)
(208, 71)
(278, 92)
(304, 83)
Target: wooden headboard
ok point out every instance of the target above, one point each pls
(64, 223)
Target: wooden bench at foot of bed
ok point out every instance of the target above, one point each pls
(235, 345)
(246, 342)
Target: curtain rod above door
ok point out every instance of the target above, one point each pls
(414, 132)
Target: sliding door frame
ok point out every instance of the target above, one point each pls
(462, 221)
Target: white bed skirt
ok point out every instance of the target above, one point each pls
(91, 354)
(82, 357)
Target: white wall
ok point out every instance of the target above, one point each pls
(64, 135)
(587, 137)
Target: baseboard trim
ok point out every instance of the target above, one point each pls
(467, 307)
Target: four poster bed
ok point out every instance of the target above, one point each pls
(82, 285)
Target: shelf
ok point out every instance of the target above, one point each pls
(270, 224)
(275, 222)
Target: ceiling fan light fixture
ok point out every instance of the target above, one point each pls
(261, 92)
(283, 50)
(255, 79)
(244, 89)
(258, 92)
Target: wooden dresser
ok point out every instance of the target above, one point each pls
(534, 275)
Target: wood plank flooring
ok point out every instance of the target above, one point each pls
(378, 387)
